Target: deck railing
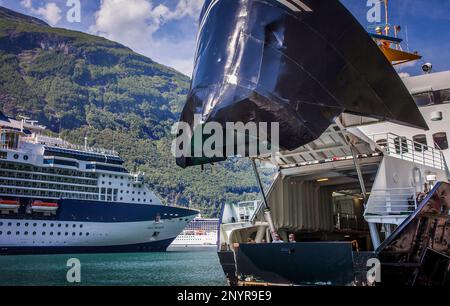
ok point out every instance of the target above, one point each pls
(58, 142)
(393, 201)
(410, 150)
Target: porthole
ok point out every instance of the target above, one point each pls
(17, 233)
(74, 225)
(25, 157)
(44, 225)
(18, 224)
(73, 234)
(26, 233)
(66, 234)
(1, 232)
(16, 156)
(9, 233)
(34, 233)
(43, 233)
(26, 224)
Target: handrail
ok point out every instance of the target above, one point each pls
(407, 149)
(60, 143)
(392, 201)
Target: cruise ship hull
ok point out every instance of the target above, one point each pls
(92, 227)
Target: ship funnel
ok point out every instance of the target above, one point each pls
(300, 63)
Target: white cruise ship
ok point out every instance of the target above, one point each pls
(200, 232)
(56, 197)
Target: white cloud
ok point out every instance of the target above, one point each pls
(50, 12)
(26, 4)
(134, 23)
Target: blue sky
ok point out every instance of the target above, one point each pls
(165, 30)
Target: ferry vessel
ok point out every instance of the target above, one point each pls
(362, 183)
(56, 197)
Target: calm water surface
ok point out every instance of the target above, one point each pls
(196, 267)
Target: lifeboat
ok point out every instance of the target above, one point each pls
(9, 205)
(46, 207)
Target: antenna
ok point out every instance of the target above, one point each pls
(386, 10)
(113, 141)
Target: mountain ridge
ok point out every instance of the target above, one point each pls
(82, 85)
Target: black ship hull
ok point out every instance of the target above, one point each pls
(302, 68)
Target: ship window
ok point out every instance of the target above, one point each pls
(424, 99)
(18, 224)
(74, 225)
(440, 140)
(44, 225)
(9, 233)
(43, 233)
(66, 233)
(25, 157)
(87, 234)
(1, 232)
(9, 223)
(401, 145)
(420, 143)
(17, 233)
(26, 224)
(16, 156)
(51, 233)
(34, 233)
(34, 224)
(1, 223)
(73, 234)
(155, 234)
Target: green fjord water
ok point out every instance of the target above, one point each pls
(182, 267)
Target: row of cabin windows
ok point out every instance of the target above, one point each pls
(440, 141)
(432, 98)
(48, 178)
(57, 171)
(26, 233)
(26, 224)
(420, 143)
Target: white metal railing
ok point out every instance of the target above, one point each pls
(407, 149)
(58, 142)
(393, 201)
